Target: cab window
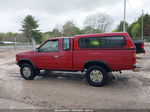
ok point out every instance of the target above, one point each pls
(49, 46)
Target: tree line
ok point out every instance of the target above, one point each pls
(135, 28)
(94, 23)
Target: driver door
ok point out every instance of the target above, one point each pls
(47, 55)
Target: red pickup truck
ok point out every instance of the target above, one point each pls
(96, 54)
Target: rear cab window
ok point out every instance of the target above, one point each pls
(102, 42)
(66, 44)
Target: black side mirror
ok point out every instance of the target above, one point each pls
(37, 49)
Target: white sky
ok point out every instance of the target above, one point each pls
(51, 13)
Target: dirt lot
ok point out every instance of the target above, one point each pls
(70, 90)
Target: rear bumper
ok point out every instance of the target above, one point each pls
(137, 67)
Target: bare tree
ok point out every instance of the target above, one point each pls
(99, 22)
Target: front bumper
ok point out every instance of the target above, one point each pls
(137, 67)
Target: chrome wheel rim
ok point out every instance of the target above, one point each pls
(96, 76)
(26, 71)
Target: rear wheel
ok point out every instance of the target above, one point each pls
(27, 71)
(96, 76)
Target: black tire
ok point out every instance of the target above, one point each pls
(29, 67)
(102, 74)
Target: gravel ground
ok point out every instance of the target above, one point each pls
(61, 90)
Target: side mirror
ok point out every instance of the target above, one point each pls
(37, 49)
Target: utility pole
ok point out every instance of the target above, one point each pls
(142, 26)
(124, 18)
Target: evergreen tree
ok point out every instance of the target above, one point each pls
(29, 29)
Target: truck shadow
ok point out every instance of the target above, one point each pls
(113, 79)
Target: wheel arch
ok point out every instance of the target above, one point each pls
(25, 60)
(99, 63)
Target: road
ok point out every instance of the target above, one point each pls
(61, 90)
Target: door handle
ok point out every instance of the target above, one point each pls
(56, 56)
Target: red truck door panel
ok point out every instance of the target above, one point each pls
(46, 60)
(47, 57)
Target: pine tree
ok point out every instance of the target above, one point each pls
(29, 29)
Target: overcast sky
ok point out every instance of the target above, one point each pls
(51, 13)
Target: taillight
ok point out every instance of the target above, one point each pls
(142, 45)
(134, 58)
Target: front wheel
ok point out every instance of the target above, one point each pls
(96, 76)
(27, 71)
